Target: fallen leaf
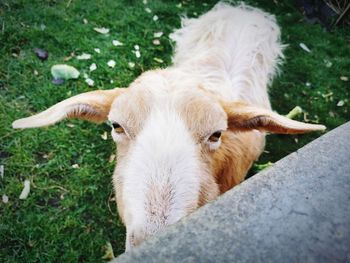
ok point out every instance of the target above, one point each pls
(295, 112)
(156, 42)
(93, 67)
(304, 47)
(101, 30)
(41, 54)
(137, 53)
(89, 81)
(26, 190)
(69, 57)
(328, 63)
(84, 56)
(157, 34)
(263, 166)
(340, 103)
(109, 255)
(117, 43)
(2, 171)
(111, 158)
(158, 60)
(104, 136)
(5, 199)
(111, 63)
(63, 71)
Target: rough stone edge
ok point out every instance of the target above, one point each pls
(135, 255)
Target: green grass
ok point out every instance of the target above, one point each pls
(70, 214)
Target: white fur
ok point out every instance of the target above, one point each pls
(164, 153)
(233, 50)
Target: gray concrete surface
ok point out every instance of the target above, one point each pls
(296, 211)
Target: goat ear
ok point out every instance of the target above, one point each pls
(93, 106)
(243, 117)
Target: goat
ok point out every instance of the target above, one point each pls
(189, 132)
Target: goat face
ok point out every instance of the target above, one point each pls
(179, 146)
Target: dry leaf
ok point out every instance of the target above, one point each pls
(5, 199)
(26, 190)
(84, 56)
(111, 63)
(117, 43)
(101, 30)
(304, 47)
(104, 136)
(90, 82)
(111, 158)
(157, 34)
(93, 67)
(2, 171)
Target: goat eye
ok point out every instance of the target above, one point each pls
(215, 137)
(116, 126)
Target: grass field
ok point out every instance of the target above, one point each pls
(70, 213)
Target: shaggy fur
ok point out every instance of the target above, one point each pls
(171, 158)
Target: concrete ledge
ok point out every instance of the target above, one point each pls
(296, 211)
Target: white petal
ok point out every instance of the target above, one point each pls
(136, 47)
(93, 67)
(97, 50)
(144, 2)
(340, 103)
(158, 60)
(75, 166)
(155, 18)
(111, 63)
(89, 81)
(84, 56)
(111, 158)
(131, 64)
(156, 42)
(104, 136)
(101, 30)
(117, 43)
(26, 190)
(5, 198)
(158, 34)
(2, 171)
(137, 54)
(304, 47)
(344, 78)
(85, 21)
(148, 10)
